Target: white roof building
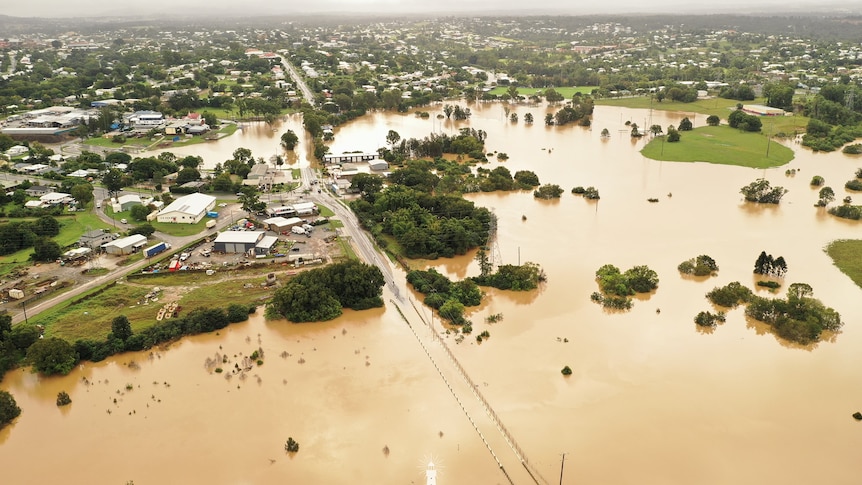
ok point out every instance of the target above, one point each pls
(55, 198)
(189, 209)
(126, 245)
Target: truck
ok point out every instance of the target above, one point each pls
(212, 214)
(297, 230)
(308, 228)
(156, 249)
(211, 223)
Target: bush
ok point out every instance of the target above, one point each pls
(567, 371)
(702, 265)
(52, 355)
(291, 446)
(854, 149)
(817, 181)
(772, 285)
(707, 319)
(579, 190)
(762, 192)
(730, 296)
(548, 191)
(854, 184)
(9, 409)
(846, 211)
(63, 399)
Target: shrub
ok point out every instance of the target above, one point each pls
(707, 319)
(9, 409)
(579, 190)
(762, 192)
(548, 191)
(854, 184)
(702, 265)
(291, 446)
(63, 399)
(847, 211)
(817, 181)
(772, 285)
(854, 149)
(567, 371)
(730, 296)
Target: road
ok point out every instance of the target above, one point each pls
(294, 74)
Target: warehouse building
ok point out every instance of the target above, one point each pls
(189, 209)
(126, 245)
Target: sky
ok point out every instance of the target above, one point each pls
(150, 8)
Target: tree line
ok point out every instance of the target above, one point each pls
(320, 294)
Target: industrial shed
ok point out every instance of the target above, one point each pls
(265, 245)
(188, 209)
(240, 242)
(126, 245)
(281, 224)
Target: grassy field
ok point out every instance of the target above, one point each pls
(720, 144)
(566, 91)
(325, 211)
(846, 254)
(108, 143)
(179, 230)
(91, 318)
(714, 106)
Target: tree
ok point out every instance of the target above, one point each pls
(655, 130)
(304, 303)
(713, 120)
(23, 336)
(83, 193)
(763, 264)
(549, 119)
(528, 118)
(673, 135)
(121, 328)
(9, 409)
(685, 125)
(139, 212)
(799, 291)
(63, 399)
(641, 279)
(453, 310)
(145, 230)
(289, 140)
(52, 355)
(250, 200)
(291, 446)
(827, 195)
(45, 249)
(635, 132)
(392, 138)
(222, 183)
(368, 185)
(548, 191)
(552, 96)
(762, 192)
(243, 155)
(113, 181)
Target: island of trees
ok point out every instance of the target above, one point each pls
(617, 287)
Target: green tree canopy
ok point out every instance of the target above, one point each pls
(52, 355)
(9, 409)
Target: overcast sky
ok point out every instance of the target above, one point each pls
(154, 8)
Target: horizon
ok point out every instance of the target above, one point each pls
(92, 9)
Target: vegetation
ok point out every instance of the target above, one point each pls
(63, 399)
(817, 181)
(767, 265)
(449, 298)
(15, 236)
(846, 254)
(762, 192)
(291, 446)
(9, 409)
(721, 145)
(567, 371)
(825, 197)
(702, 265)
(772, 285)
(799, 318)
(854, 184)
(508, 276)
(708, 319)
(321, 293)
(423, 225)
(847, 211)
(548, 191)
(730, 296)
(52, 356)
(616, 287)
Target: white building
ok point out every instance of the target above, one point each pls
(126, 245)
(189, 209)
(56, 198)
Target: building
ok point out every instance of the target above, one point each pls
(94, 239)
(56, 198)
(281, 224)
(146, 119)
(127, 201)
(240, 242)
(349, 157)
(37, 190)
(126, 245)
(189, 209)
(305, 208)
(760, 110)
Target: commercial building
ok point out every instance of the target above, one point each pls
(240, 242)
(126, 202)
(281, 224)
(94, 239)
(126, 245)
(760, 110)
(189, 209)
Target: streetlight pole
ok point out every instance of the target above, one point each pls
(561, 468)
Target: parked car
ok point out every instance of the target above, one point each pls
(123, 221)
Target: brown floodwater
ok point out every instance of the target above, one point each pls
(651, 399)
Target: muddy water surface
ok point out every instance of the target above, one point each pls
(651, 400)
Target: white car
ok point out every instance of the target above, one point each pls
(123, 221)
(222, 204)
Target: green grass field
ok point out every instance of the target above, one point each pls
(107, 143)
(566, 91)
(714, 106)
(846, 254)
(720, 144)
(179, 230)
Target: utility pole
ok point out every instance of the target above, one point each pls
(24, 306)
(561, 468)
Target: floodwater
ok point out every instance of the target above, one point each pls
(652, 399)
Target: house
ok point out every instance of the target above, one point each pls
(240, 242)
(56, 198)
(189, 209)
(37, 190)
(126, 202)
(94, 239)
(126, 245)
(146, 119)
(17, 150)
